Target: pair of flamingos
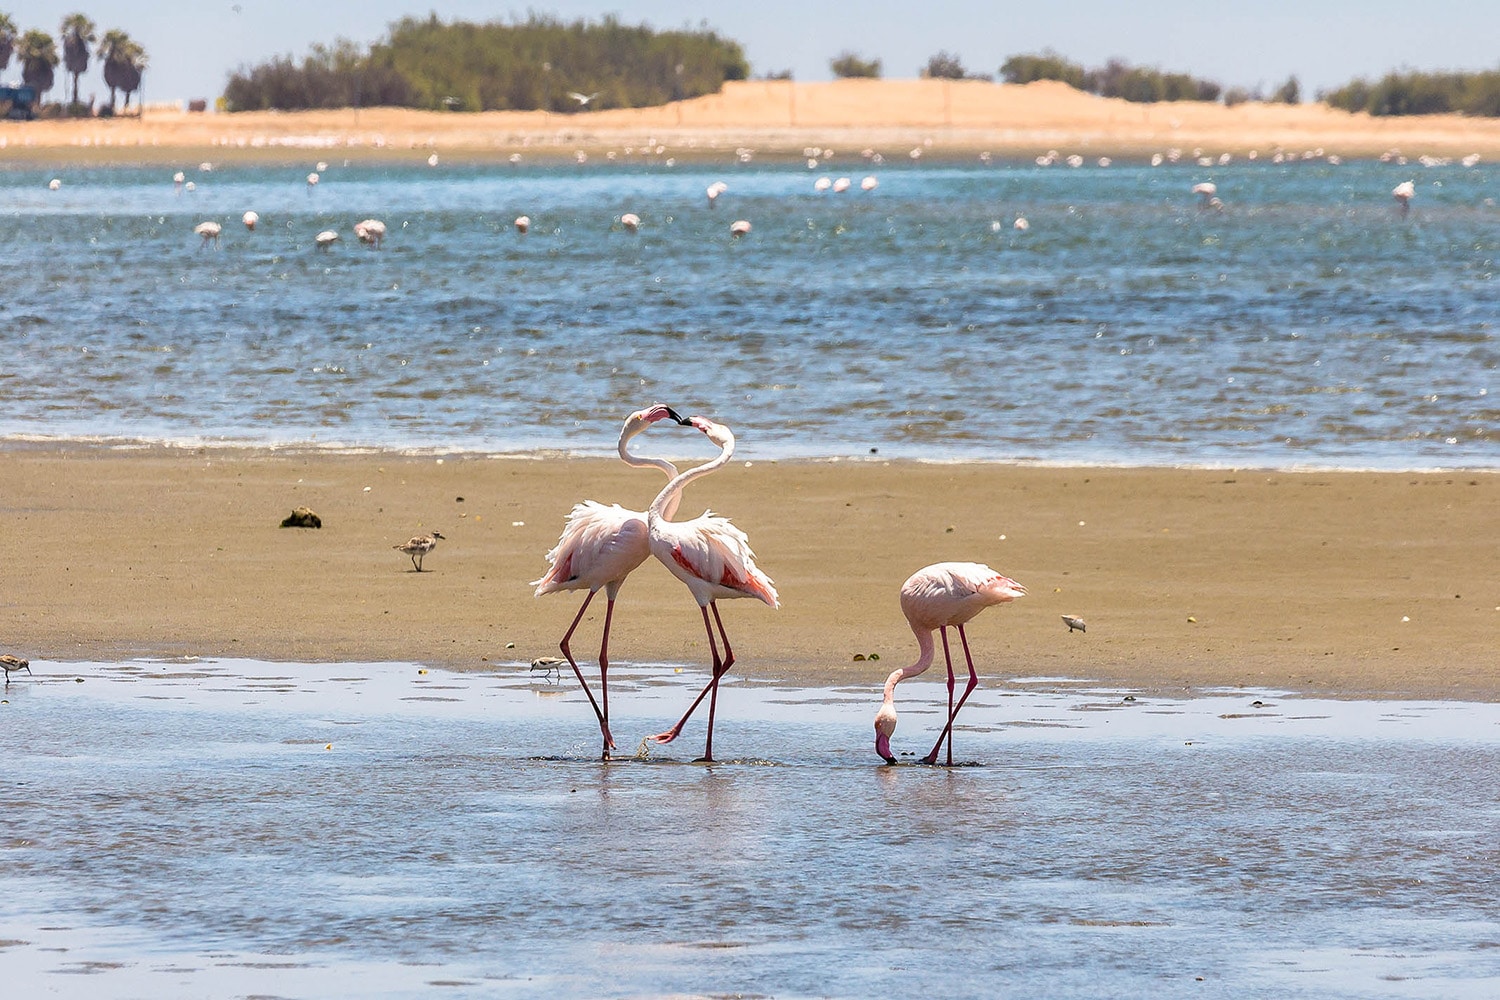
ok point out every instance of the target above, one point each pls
(600, 546)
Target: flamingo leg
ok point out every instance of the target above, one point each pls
(609, 614)
(931, 758)
(566, 651)
(712, 687)
(968, 690)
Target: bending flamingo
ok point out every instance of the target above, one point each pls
(713, 558)
(599, 547)
(936, 597)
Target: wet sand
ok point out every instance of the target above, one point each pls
(1371, 584)
(774, 118)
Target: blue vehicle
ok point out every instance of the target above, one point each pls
(18, 102)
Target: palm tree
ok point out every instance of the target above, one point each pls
(130, 79)
(118, 51)
(38, 54)
(7, 40)
(78, 35)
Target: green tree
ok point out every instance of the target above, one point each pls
(7, 40)
(847, 65)
(944, 66)
(1046, 66)
(38, 54)
(78, 33)
(1289, 92)
(124, 59)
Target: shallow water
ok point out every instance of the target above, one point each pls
(1306, 324)
(238, 828)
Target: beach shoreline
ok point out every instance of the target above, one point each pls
(1351, 584)
(770, 120)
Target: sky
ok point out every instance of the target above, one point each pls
(194, 46)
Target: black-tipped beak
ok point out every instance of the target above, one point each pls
(678, 417)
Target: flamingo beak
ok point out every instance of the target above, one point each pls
(883, 747)
(683, 421)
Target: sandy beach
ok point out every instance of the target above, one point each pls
(1346, 583)
(771, 118)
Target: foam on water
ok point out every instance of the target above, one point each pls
(192, 827)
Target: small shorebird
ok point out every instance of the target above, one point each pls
(582, 99)
(419, 546)
(9, 663)
(371, 231)
(1073, 621)
(209, 231)
(325, 239)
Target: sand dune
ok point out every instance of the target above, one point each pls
(773, 118)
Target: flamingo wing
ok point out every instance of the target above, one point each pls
(599, 545)
(714, 552)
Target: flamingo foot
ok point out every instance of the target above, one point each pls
(704, 760)
(666, 737)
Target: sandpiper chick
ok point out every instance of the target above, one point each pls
(9, 663)
(418, 547)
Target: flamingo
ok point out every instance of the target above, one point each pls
(869, 184)
(250, 219)
(714, 190)
(739, 227)
(371, 231)
(312, 181)
(600, 546)
(55, 184)
(713, 558)
(1205, 192)
(1404, 193)
(523, 223)
(934, 598)
(630, 221)
(325, 239)
(209, 231)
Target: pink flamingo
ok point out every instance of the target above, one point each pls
(936, 597)
(713, 558)
(599, 547)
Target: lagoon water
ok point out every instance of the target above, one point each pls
(1306, 324)
(194, 828)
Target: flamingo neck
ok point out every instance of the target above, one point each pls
(642, 462)
(925, 651)
(665, 504)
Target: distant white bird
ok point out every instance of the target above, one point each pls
(515, 157)
(312, 180)
(1021, 225)
(432, 160)
(739, 228)
(869, 184)
(371, 231)
(523, 223)
(714, 190)
(1205, 192)
(54, 184)
(209, 231)
(582, 99)
(322, 166)
(250, 219)
(822, 184)
(630, 221)
(841, 185)
(177, 180)
(326, 239)
(1403, 193)
(190, 187)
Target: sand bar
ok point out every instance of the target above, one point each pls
(1346, 583)
(772, 118)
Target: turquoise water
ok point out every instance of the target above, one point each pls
(1306, 324)
(234, 828)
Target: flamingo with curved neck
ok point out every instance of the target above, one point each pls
(933, 599)
(713, 558)
(600, 546)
